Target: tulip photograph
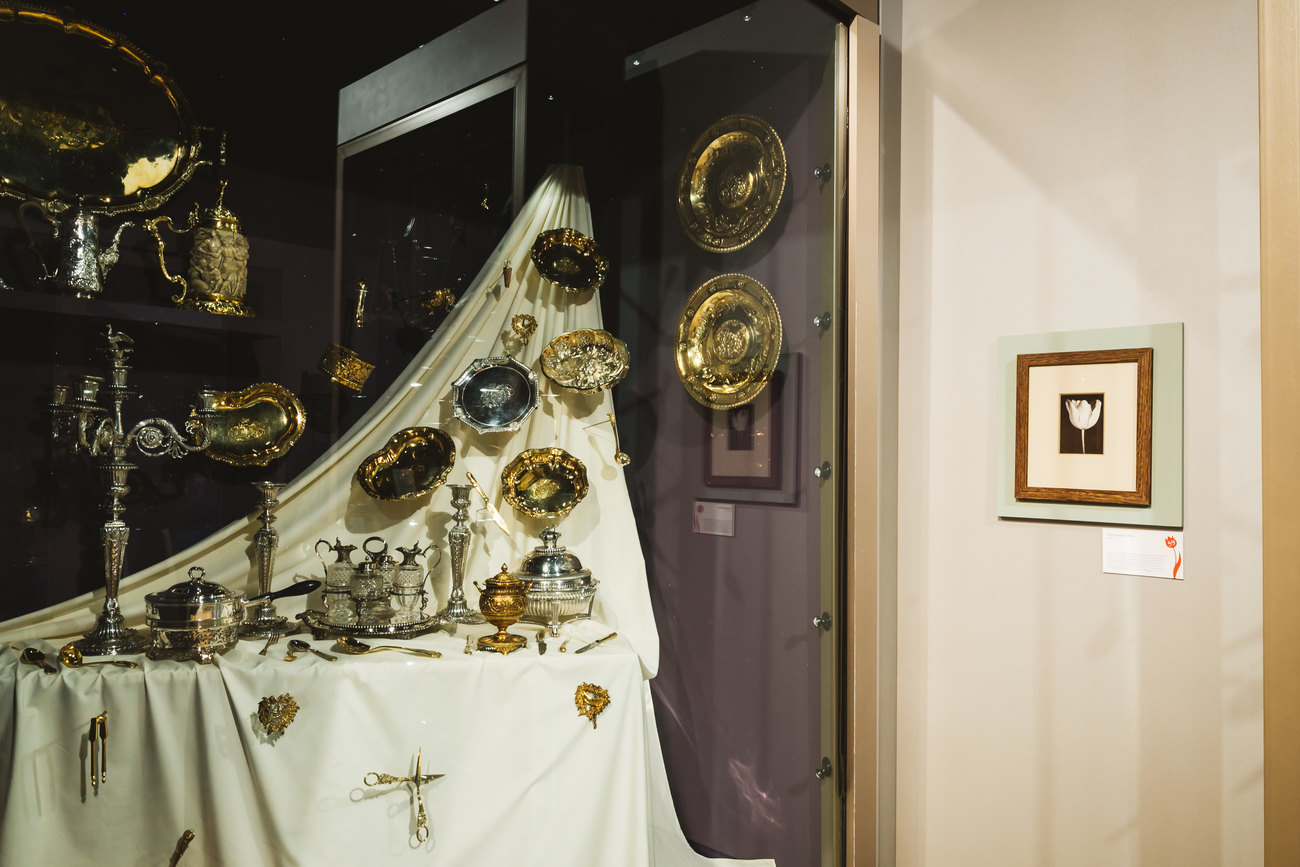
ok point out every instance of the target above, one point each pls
(1081, 424)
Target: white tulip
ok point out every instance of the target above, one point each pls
(1083, 416)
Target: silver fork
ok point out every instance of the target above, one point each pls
(269, 641)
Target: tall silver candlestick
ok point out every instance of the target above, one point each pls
(264, 622)
(85, 422)
(458, 541)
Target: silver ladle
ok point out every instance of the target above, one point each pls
(70, 656)
(348, 644)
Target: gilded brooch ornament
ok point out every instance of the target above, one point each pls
(276, 713)
(591, 700)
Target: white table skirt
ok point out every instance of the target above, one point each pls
(528, 780)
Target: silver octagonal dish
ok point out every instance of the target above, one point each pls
(495, 395)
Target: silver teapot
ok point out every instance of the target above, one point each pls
(82, 265)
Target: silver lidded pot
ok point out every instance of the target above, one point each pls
(559, 588)
(198, 619)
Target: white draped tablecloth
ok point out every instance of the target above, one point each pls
(528, 780)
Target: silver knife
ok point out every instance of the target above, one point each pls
(587, 647)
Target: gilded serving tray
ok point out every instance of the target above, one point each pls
(414, 461)
(586, 360)
(570, 259)
(495, 395)
(544, 483)
(731, 183)
(728, 341)
(256, 425)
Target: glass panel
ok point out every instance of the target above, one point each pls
(739, 534)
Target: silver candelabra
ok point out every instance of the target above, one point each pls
(87, 421)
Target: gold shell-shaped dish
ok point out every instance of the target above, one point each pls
(544, 483)
(569, 259)
(414, 461)
(255, 426)
(586, 360)
(728, 341)
(731, 183)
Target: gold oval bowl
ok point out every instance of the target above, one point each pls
(728, 341)
(414, 462)
(256, 425)
(544, 483)
(586, 360)
(569, 259)
(731, 183)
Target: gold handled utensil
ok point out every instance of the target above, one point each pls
(492, 510)
(598, 641)
(348, 644)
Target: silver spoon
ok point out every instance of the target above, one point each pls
(348, 644)
(70, 656)
(299, 645)
(32, 656)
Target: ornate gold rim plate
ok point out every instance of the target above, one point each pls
(586, 360)
(544, 483)
(570, 259)
(256, 425)
(731, 183)
(414, 462)
(63, 138)
(728, 341)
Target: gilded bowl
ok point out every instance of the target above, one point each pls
(414, 461)
(586, 360)
(256, 425)
(544, 483)
(570, 259)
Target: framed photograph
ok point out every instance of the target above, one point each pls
(749, 450)
(1083, 426)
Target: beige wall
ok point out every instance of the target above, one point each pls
(1073, 166)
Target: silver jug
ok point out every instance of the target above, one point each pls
(82, 265)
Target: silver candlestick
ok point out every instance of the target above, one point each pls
(458, 541)
(264, 622)
(86, 424)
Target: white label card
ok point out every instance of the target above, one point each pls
(714, 519)
(1151, 553)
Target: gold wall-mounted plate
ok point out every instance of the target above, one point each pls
(731, 183)
(414, 462)
(570, 259)
(544, 483)
(728, 341)
(586, 360)
(256, 425)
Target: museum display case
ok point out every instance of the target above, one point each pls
(336, 419)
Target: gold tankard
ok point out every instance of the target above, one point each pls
(218, 272)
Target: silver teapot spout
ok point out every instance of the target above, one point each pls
(82, 264)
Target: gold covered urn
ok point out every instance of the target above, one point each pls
(502, 602)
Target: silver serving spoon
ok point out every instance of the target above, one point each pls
(299, 645)
(70, 656)
(32, 656)
(348, 644)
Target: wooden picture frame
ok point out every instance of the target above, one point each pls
(1063, 394)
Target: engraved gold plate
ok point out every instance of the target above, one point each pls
(570, 259)
(86, 118)
(731, 183)
(586, 360)
(255, 426)
(591, 701)
(414, 462)
(544, 483)
(728, 341)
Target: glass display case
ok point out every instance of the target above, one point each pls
(732, 247)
